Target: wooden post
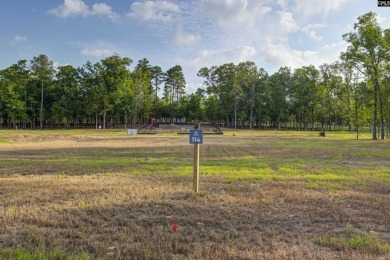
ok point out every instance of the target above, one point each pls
(196, 167)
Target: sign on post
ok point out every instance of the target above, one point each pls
(196, 138)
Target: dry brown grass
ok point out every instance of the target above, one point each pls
(119, 215)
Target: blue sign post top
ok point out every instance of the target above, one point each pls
(196, 136)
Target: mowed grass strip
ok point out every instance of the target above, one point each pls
(263, 196)
(257, 157)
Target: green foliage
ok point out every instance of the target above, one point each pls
(174, 91)
(368, 51)
(279, 85)
(43, 69)
(193, 107)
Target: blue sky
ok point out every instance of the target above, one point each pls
(192, 33)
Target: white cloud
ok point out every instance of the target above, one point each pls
(79, 8)
(153, 10)
(105, 10)
(96, 52)
(282, 3)
(280, 55)
(212, 57)
(312, 7)
(193, 87)
(310, 30)
(18, 38)
(208, 58)
(185, 38)
(230, 55)
(71, 8)
(381, 19)
(314, 36)
(235, 12)
(287, 22)
(245, 53)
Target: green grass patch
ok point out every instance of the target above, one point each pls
(289, 171)
(14, 161)
(239, 169)
(301, 157)
(41, 253)
(261, 175)
(329, 177)
(368, 242)
(384, 177)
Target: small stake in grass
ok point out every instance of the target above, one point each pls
(174, 227)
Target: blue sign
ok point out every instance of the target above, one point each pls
(196, 136)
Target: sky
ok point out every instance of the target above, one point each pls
(191, 33)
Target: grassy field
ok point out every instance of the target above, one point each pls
(85, 194)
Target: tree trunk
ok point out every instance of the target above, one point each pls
(104, 120)
(156, 90)
(125, 119)
(41, 112)
(349, 109)
(235, 113)
(259, 121)
(251, 118)
(381, 121)
(356, 118)
(387, 114)
(375, 116)
(335, 115)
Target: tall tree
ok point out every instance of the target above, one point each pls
(157, 78)
(144, 90)
(368, 48)
(262, 96)
(92, 89)
(114, 72)
(174, 87)
(329, 93)
(305, 81)
(386, 99)
(347, 73)
(194, 107)
(43, 69)
(359, 114)
(249, 77)
(67, 94)
(279, 86)
(14, 92)
(222, 81)
(212, 109)
(11, 96)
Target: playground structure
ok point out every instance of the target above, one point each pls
(182, 128)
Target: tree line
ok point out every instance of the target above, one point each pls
(102, 94)
(352, 92)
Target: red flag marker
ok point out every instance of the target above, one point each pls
(174, 227)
